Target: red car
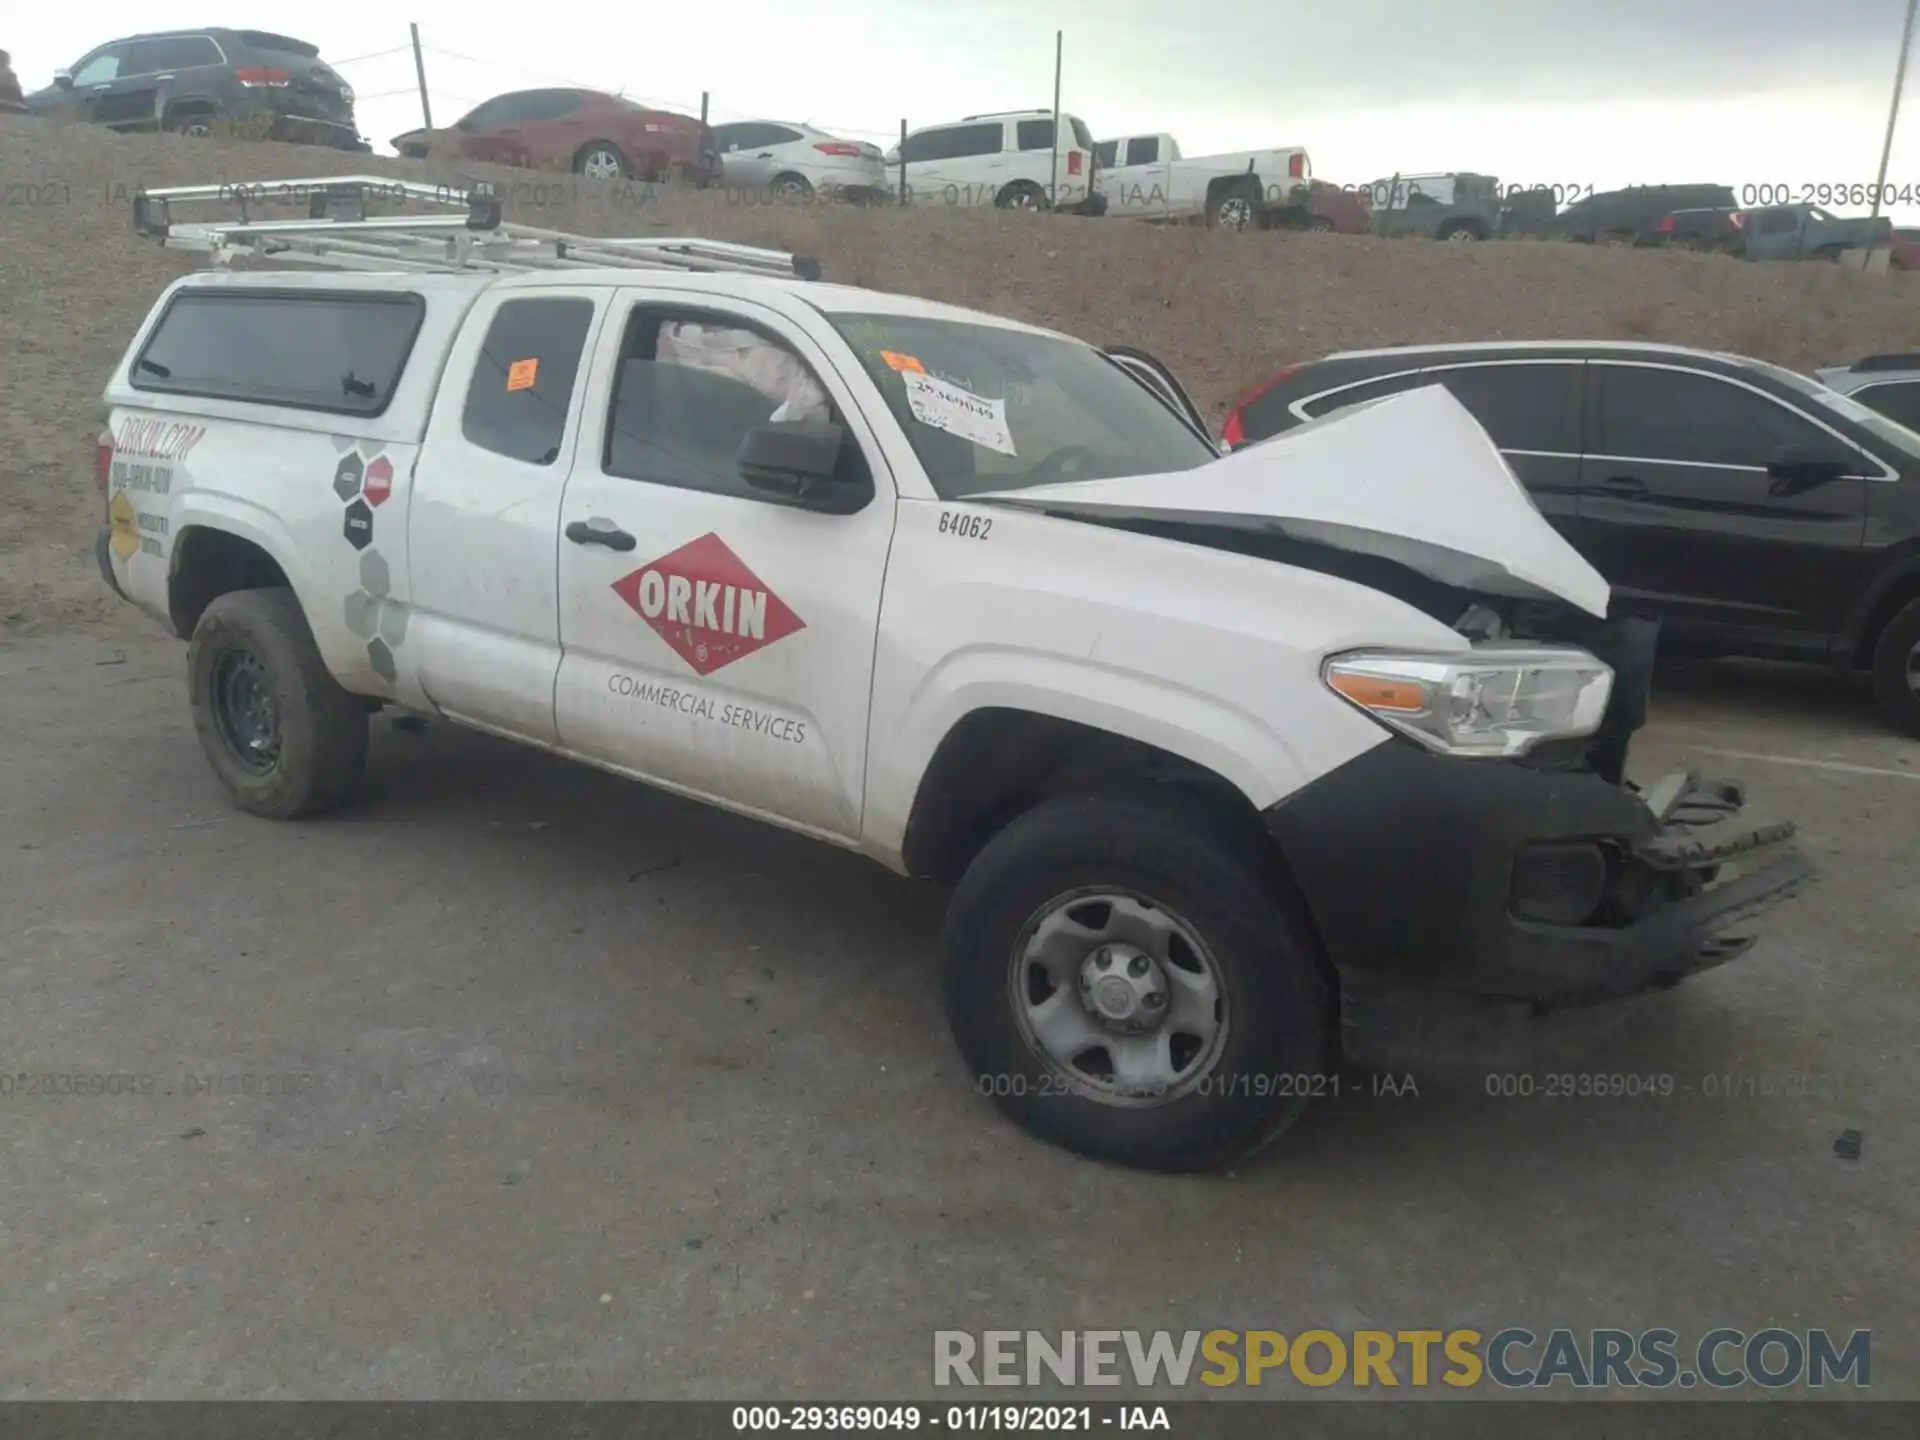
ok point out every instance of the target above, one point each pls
(1905, 245)
(1335, 209)
(11, 101)
(600, 136)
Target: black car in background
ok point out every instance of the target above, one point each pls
(1751, 510)
(265, 85)
(1632, 216)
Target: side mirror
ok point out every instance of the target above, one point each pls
(797, 460)
(1797, 474)
(63, 79)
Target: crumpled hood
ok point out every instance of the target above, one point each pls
(1411, 478)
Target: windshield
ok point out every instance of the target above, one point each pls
(1872, 421)
(987, 408)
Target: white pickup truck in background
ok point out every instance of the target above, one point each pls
(1146, 177)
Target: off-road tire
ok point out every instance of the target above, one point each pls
(1248, 193)
(1455, 231)
(322, 727)
(1892, 685)
(1278, 1002)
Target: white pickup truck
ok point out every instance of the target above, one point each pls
(1146, 177)
(1238, 765)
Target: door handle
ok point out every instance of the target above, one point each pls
(1625, 486)
(600, 532)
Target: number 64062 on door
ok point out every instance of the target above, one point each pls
(958, 522)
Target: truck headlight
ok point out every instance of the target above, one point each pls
(1496, 700)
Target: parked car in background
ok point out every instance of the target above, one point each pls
(1887, 383)
(12, 102)
(1632, 216)
(1750, 509)
(1332, 208)
(798, 162)
(603, 137)
(1458, 206)
(1146, 176)
(193, 82)
(1905, 248)
(1006, 160)
(1775, 232)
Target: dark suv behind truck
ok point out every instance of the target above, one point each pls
(1632, 216)
(267, 85)
(1748, 509)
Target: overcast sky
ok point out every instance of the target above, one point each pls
(1574, 92)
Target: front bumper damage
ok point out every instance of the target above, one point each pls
(1480, 905)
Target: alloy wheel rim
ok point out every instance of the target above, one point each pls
(1118, 997)
(601, 165)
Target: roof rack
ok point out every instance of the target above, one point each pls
(469, 233)
(1887, 362)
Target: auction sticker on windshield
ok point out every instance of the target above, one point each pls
(959, 412)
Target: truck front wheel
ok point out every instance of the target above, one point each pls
(1123, 982)
(1896, 669)
(282, 735)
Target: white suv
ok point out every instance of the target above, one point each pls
(1006, 160)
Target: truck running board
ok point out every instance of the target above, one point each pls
(467, 233)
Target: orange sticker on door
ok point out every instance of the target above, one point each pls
(903, 362)
(522, 374)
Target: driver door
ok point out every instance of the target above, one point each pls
(716, 641)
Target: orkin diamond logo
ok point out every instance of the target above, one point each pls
(704, 602)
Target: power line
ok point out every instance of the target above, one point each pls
(376, 55)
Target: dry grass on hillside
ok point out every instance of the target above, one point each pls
(1221, 309)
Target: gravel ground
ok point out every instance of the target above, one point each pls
(565, 1088)
(1223, 310)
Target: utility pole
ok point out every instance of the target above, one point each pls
(1893, 115)
(1053, 170)
(420, 73)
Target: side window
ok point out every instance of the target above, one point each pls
(99, 67)
(727, 137)
(780, 135)
(523, 382)
(550, 105)
(1034, 134)
(1326, 404)
(927, 145)
(1900, 402)
(1104, 152)
(1523, 407)
(337, 352)
(967, 140)
(1776, 222)
(1143, 150)
(489, 112)
(181, 52)
(690, 388)
(1687, 418)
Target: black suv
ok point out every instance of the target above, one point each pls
(1750, 509)
(1632, 216)
(188, 80)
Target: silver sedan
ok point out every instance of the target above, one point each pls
(792, 162)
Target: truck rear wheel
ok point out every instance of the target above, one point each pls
(283, 736)
(1123, 983)
(1896, 668)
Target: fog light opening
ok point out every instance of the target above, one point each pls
(1560, 884)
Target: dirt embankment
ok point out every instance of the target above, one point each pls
(1221, 309)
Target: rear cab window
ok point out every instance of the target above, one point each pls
(522, 384)
(987, 407)
(335, 351)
